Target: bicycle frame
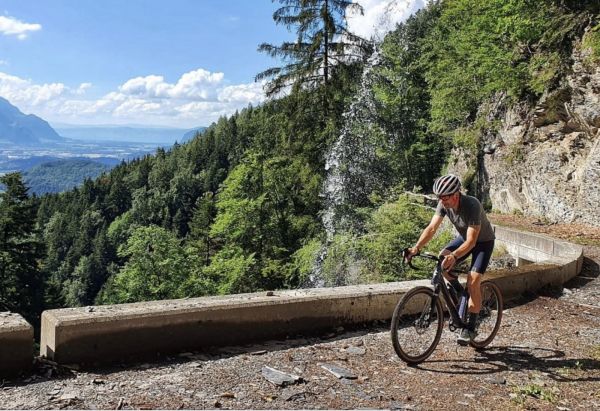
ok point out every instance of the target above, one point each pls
(440, 287)
(419, 316)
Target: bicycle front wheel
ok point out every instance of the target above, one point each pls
(490, 315)
(417, 325)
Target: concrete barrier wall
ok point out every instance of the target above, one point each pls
(16, 344)
(126, 331)
(538, 248)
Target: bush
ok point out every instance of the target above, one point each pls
(591, 41)
(376, 256)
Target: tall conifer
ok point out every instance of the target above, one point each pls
(20, 249)
(323, 42)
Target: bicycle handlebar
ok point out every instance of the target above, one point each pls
(429, 256)
(424, 255)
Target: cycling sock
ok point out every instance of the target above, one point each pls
(472, 321)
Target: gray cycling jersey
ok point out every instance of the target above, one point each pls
(470, 212)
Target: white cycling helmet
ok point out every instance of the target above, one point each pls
(446, 185)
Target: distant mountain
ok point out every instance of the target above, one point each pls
(191, 134)
(23, 129)
(140, 134)
(62, 175)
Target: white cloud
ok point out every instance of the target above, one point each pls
(10, 26)
(197, 84)
(245, 93)
(82, 88)
(26, 93)
(149, 86)
(381, 16)
(138, 106)
(198, 97)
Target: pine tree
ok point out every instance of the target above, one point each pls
(20, 249)
(323, 43)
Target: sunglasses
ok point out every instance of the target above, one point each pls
(445, 197)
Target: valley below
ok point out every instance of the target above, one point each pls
(20, 158)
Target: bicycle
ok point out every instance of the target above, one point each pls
(418, 318)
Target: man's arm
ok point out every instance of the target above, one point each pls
(427, 234)
(472, 235)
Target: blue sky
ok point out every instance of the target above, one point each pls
(180, 63)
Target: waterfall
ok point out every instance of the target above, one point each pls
(352, 168)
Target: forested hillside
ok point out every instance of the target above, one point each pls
(61, 175)
(239, 207)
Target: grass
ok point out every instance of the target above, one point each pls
(535, 391)
(499, 251)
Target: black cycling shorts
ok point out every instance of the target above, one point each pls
(480, 254)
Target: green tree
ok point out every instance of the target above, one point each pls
(199, 227)
(414, 153)
(323, 42)
(157, 268)
(20, 249)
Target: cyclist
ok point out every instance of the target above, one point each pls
(476, 238)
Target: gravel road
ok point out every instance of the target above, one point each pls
(546, 356)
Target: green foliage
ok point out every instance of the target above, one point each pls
(449, 60)
(481, 48)
(467, 138)
(157, 268)
(199, 227)
(20, 249)
(238, 208)
(344, 264)
(234, 271)
(415, 153)
(303, 263)
(260, 212)
(61, 175)
(376, 256)
(121, 228)
(323, 44)
(395, 226)
(591, 42)
(543, 71)
(535, 391)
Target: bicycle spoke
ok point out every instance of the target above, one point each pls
(417, 325)
(490, 315)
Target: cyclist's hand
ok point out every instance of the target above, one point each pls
(448, 262)
(409, 253)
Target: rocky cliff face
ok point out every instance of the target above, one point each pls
(545, 160)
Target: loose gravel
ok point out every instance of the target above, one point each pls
(546, 356)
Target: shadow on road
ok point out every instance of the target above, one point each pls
(517, 358)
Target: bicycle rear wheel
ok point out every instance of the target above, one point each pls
(490, 315)
(417, 325)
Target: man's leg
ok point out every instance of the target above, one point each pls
(482, 252)
(474, 286)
